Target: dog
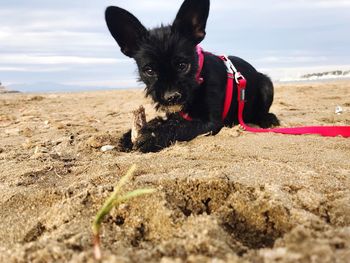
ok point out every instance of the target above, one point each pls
(168, 62)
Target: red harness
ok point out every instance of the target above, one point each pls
(234, 75)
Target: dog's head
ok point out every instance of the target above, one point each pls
(165, 56)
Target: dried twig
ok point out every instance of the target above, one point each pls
(139, 120)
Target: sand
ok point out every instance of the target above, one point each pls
(234, 197)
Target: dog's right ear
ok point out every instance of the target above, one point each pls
(126, 29)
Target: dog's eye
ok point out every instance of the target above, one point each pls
(150, 72)
(182, 67)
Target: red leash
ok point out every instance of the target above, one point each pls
(241, 82)
(328, 131)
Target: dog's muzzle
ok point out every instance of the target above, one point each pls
(172, 102)
(172, 98)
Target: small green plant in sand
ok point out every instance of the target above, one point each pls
(114, 201)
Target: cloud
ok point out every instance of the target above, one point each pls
(32, 69)
(291, 59)
(52, 40)
(172, 6)
(317, 3)
(68, 40)
(230, 5)
(116, 83)
(53, 30)
(25, 59)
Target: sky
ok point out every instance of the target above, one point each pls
(65, 45)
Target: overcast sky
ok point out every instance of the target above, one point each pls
(67, 41)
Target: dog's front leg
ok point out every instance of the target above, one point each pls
(160, 133)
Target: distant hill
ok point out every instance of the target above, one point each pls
(42, 87)
(52, 87)
(5, 90)
(327, 75)
(319, 73)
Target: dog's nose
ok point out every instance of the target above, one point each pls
(172, 97)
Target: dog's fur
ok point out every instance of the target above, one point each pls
(167, 62)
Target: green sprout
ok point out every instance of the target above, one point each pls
(114, 200)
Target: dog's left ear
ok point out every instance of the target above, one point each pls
(126, 29)
(191, 20)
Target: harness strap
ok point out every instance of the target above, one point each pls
(200, 54)
(185, 116)
(199, 78)
(229, 86)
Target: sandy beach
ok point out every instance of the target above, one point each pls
(234, 197)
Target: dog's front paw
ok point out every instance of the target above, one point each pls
(147, 142)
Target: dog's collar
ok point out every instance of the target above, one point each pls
(200, 64)
(199, 78)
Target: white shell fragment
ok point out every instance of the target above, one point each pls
(338, 110)
(107, 148)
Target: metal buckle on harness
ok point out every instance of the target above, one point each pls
(230, 68)
(238, 77)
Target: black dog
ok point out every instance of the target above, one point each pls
(168, 62)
